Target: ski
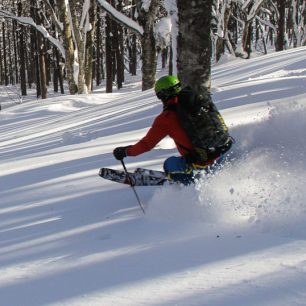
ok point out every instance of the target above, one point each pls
(141, 177)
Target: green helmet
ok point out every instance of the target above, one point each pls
(167, 87)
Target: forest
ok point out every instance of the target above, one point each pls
(74, 45)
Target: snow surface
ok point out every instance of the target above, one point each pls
(237, 238)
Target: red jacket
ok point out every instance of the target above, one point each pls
(165, 124)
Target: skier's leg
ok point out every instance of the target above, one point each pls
(178, 170)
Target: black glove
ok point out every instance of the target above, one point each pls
(120, 152)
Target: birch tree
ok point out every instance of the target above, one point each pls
(222, 11)
(68, 45)
(78, 20)
(298, 21)
(147, 15)
(194, 43)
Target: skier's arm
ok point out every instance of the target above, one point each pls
(155, 134)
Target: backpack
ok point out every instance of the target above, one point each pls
(203, 125)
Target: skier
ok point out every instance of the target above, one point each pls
(168, 123)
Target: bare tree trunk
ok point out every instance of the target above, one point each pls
(1, 66)
(194, 44)
(246, 35)
(247, 46)
(10, 57)
(164, 56)
(79, 46)
(5, 71)
(170, 60)
(60, 72)
(22, 67)
(42, 58)
(47, 61)
(90, 46)
(132, 49)
(280, 38)
(120, 51)
(108, 55)
(221, 41)
(30, 54)
(68, 45)
(35, 71)
(132, 55)
(56, 70)
(146, 19)
(98, 49)
(16, 52)
(250, 11)
(298, 12)
(42, 66)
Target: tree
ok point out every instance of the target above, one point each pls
(92, 13)
(41, 53)
(194, 43)
(68, 45)
(146, 19)
(108, 55)
(280, 35)
(5, 68)
(22, 66)
(222, 12)
(132, 44)
(180, 30)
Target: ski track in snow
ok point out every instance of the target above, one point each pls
(235, 238)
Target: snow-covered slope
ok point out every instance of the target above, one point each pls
(236, 238)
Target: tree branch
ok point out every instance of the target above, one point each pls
(28, 21)
(121, 18)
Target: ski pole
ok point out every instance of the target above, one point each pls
(136, 195)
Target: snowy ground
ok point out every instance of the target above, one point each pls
(237, 238)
